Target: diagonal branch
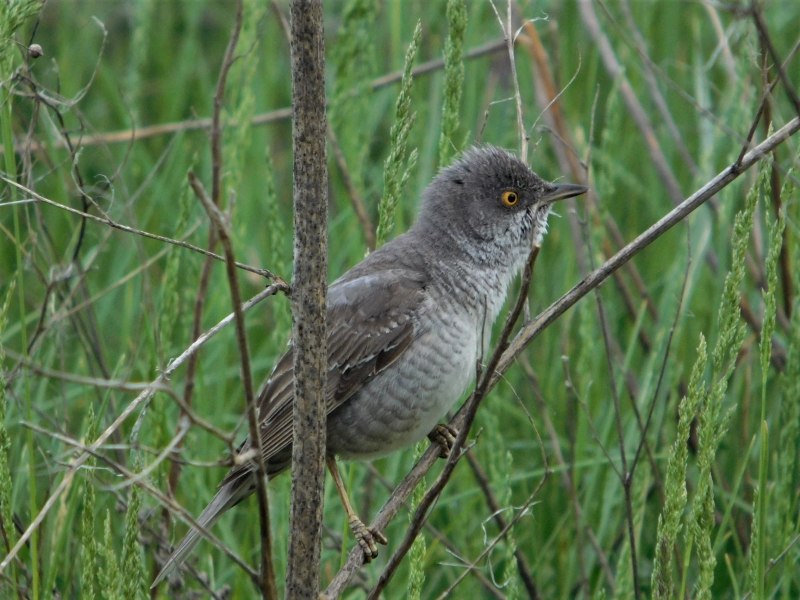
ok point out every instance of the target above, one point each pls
(468, 412)
(676, 215)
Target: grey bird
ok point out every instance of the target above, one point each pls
(406, 326)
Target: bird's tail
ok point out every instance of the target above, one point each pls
(228, 495)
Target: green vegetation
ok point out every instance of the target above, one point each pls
(647, 443)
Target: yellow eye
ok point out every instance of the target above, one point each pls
(510, 198)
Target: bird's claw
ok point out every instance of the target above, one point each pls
(443, 436)
(367, 538)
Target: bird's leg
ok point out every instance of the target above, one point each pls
(443, 436)
(367, 538)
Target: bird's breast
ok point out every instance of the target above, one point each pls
(403, 403)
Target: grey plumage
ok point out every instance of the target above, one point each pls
(407, 324)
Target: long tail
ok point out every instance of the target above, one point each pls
(227, 496)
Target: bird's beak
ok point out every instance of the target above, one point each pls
(559, 191)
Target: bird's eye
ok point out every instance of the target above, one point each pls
(510, 198)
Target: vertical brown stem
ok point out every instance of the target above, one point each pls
(309, 290)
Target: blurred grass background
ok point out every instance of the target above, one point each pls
(122, 307)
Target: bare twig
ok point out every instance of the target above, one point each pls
(662, 370)
(509, 35)
(115, 384)
(767, 48)
(773, 562)
(440, 537)
(652, 85)
(647, 130)
(635, 108)
(625, 476)
(521, 512)
(761, 27)
(113, 224)
(568, 473)
(548, 96)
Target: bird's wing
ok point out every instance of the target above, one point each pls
(371, 321)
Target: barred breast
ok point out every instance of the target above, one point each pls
(401, 405)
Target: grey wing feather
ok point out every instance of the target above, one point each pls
(364, 337)
(371, 322)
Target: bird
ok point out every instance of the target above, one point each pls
(405, 328)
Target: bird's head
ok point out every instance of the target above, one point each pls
(492, 201)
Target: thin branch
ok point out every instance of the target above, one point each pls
(763, 33)
(510, 38)
(521, 512)
(216, 192)
(439, 536)
(662, 370)
(113, 224)
(774, 562)
(547, 95)
(625, 476)
(635, 108)
(267, 580)
(568, 474)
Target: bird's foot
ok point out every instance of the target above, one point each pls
(443, 436)
(367, 538)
